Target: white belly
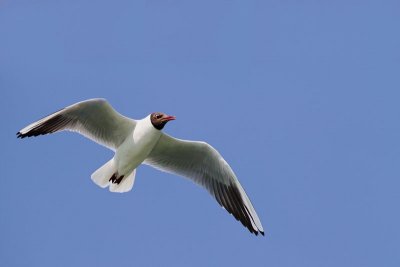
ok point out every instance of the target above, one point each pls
(135, 149)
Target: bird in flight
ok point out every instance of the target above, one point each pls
(142, 141)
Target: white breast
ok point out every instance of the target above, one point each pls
(137, 146)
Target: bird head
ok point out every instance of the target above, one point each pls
(159, 119)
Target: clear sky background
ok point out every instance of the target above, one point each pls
(300, 97)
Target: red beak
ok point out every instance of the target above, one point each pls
(169, 118)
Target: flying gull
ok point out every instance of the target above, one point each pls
(142, 141)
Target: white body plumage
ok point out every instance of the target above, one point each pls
(136, 147)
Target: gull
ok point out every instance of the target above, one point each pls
(142, 141)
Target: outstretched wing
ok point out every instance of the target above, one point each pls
(93, 118)
(204, 165)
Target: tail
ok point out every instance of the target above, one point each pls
(107, 175)
(125, 184)
(101, 177)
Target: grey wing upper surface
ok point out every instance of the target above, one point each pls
(204, 165)
(94, 118)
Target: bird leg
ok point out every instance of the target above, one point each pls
(119, 179)
(116, 180)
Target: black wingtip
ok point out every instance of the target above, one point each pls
(20, 135)
(256, 232)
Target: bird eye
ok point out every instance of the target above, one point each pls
(158, 116)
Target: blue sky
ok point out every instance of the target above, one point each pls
(300, 97)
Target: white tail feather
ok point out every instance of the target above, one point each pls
(125, 185)
(101, 176)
